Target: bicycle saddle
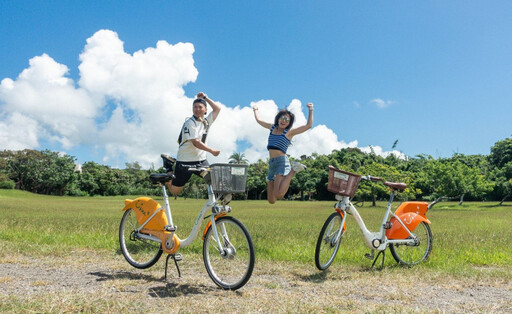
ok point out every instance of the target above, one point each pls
(396, 185)
(160, 177)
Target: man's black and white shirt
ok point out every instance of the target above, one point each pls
(193, 129)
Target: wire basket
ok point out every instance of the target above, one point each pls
(228, 178)
(342, 182)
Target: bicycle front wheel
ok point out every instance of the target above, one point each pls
(230, 265)
(328, 244)
(140, 253)
(412, 254)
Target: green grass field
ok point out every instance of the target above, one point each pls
(473, 236)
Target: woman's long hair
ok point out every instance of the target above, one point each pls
(281, 113)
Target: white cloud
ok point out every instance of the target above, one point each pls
(147, 88)
(379, 151)
(18, 132)
(132, 107)
(57, 110)
(381, 103)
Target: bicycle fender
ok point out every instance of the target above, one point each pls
(341, 214)
(410, 219)
(411, 214)
(144, 207)
(210, 223)
(416, 207)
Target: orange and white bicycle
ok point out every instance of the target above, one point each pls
(147, 229)
(406, 231)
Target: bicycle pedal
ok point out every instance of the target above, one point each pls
(388, 225)
(178, 257)
(170, 228)
(370, 256)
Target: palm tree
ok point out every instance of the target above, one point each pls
(238, 158)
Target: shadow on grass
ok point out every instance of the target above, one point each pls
(168, 291)
(171, 290)
(378, 267)
(316, 277)
(124, 275)
(497, 205)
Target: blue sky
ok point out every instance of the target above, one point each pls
(436, 75)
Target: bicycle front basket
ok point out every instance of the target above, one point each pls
(342, 182)
(228, 178)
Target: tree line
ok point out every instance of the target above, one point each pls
(461, 177)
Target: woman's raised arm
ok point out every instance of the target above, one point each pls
(264, 124)
(304, 128)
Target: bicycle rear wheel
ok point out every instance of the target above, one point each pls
(327, 245)
(412, 254)
(140, 253)
(231, 265)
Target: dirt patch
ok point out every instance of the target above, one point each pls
(88, 281)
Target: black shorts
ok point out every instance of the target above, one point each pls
(181, 171)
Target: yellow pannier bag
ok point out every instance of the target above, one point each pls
(144, 207)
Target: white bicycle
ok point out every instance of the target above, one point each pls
(147, 229)
(407, 233)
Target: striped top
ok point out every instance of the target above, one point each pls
(279, 142)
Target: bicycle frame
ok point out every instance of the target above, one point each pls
(168, 232)
(375, 240)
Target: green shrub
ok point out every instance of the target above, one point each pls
(7, 185)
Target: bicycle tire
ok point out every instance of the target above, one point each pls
(140, 253)
(409, 255)
(232, 270)
(326, 246)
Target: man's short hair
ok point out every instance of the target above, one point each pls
(201, 100)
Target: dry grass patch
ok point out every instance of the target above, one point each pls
(95, 281)
(40, 283)
(6, 279)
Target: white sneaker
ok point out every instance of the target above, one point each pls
(297, 166)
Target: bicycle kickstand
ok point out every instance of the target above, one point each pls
(383, 252)
(177, 258)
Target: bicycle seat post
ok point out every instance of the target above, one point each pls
(391, 196)
(167, 207)
(211, 193)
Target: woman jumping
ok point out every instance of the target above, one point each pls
(280, 173)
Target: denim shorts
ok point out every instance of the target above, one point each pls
(278, 165)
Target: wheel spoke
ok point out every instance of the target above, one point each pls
(411, 254)
(327, 247)
(139, 252)
(233, 269)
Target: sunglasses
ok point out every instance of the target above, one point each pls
(285, 119)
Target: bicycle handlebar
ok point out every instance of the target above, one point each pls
(371, 178)
(393, 185)
(200, 169)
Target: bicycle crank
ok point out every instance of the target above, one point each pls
(171, 244)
